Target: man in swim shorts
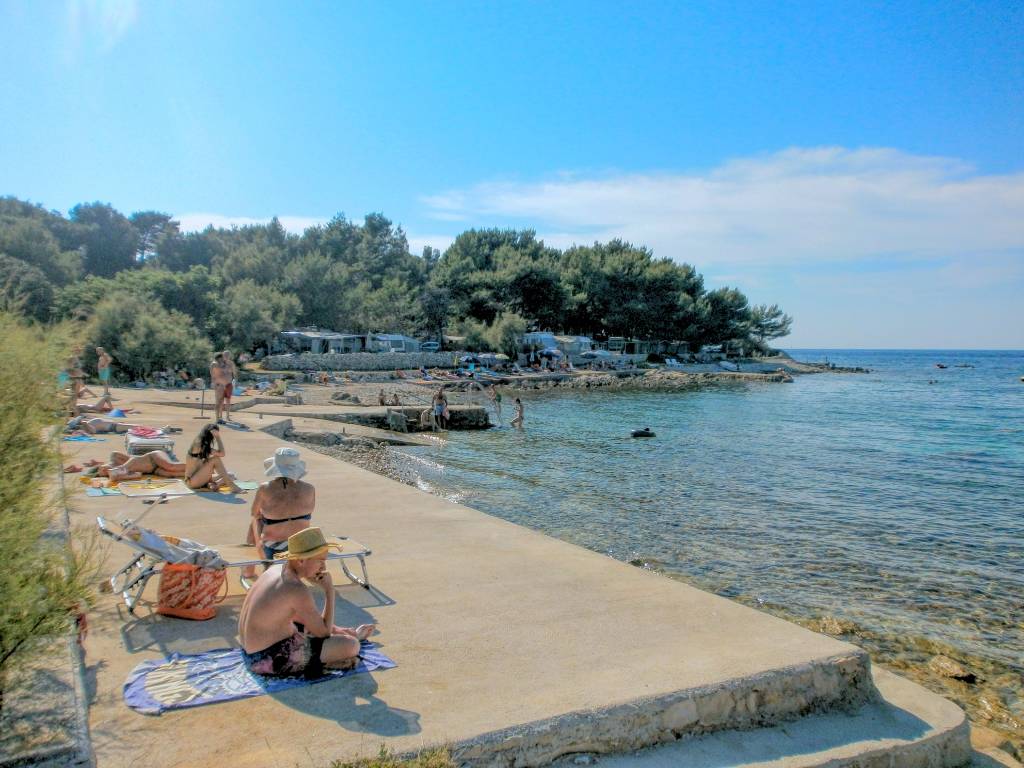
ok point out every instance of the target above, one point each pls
(281, 632)
(103, 361)
(220, 380)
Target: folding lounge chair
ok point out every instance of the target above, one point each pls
(136, 446)
(152, 551)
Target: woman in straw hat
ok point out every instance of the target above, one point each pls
(282, 633)
(283, 505)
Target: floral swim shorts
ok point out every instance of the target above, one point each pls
(295, 656)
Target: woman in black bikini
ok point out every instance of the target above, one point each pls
(283, 505)
(204, 465)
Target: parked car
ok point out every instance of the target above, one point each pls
(430, 346)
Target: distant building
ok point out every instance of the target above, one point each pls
(574, 345)
(395, 342)
(314, 340)
(539, 340)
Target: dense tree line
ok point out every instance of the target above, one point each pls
(158, 297)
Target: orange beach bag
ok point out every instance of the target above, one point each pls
(190, 592)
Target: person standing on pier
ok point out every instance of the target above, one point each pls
(103, 361)
(220, 380)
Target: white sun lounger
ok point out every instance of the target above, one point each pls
(152, 551)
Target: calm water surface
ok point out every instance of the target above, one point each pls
(893, 499)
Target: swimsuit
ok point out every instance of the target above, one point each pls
(269, 521)
(104, 375)
(272, 548)
(296, 655)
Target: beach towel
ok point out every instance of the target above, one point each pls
(245, 485)
(191, 680)
(146, 432)
(117, 413)
(154, 487)
(83, 439)
(102, 492)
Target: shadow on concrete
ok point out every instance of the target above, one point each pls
(223, 498)
(352, 703)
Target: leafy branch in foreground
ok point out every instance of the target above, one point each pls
(45, 582)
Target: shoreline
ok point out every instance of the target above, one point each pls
(980, 686)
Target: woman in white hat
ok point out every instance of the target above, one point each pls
(283, 505)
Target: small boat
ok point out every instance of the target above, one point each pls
(728, 365)
(941, 365)
(645, 432)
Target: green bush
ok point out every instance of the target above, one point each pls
(143, 337)
(43, 583)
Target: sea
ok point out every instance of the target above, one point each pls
(890, 501)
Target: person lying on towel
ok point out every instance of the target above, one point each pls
(282, 633)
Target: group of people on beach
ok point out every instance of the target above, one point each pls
(281, 631)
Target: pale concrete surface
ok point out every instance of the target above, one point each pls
(506, 640)
(905, 729)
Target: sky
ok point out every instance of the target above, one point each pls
(861, 164)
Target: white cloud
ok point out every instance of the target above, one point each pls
(797, 206)
(105, 20)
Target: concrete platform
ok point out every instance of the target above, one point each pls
(902, 729)
(512, 647)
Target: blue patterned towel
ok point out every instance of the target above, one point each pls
(191, 680)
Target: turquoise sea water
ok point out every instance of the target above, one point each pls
(893, 499)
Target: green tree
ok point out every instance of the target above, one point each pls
(254, 314)
(109, 239)
(24, 289)
(506, 333)
(768, 322)
(435, 306)
(152, 227)
(28, 240)
(724, 316)
(143, 337)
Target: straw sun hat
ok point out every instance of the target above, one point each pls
(285, 463)
(307, 543)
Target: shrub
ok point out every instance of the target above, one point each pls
(143, 337)
(44, 581)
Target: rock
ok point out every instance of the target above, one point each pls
(831, 625)
(584, 760)
(947, 667)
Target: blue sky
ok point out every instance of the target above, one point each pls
(861, 164)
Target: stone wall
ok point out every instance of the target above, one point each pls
(360, 361)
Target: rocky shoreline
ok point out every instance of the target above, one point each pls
(989, 693)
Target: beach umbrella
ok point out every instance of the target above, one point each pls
(469, 359)
(551, 352)
(501, 356)
(595, 353)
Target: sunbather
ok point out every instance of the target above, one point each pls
(204, 465)
(281, 631)
(82, 425)
(121, 466)
(283, 505)
(103, 405)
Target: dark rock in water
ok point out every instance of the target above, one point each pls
(645, 432)
(947, 667)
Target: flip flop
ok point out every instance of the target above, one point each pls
(70, 468)
(92, 463)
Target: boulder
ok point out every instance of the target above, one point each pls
(947, 667)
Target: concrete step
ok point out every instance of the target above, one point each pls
(909, 727)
